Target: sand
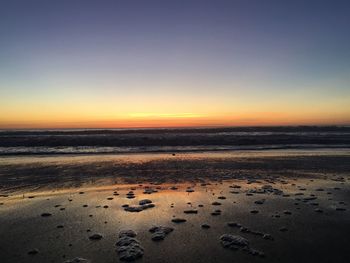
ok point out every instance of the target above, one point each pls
(301, 211)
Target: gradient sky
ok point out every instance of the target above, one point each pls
(173, 63)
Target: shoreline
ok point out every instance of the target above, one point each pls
(25, 173)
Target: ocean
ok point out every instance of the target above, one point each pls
(121, 141)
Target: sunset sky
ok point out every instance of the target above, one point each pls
(104, 64)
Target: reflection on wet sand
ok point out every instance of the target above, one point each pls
(85, 222)
(38, 173)
(196, 208)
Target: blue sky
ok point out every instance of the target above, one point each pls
(226, 61)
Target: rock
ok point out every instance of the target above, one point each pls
(46, 214)
(233, 224)
(216, 213)
(150, 191)
(160, 232)
(306, 199)
(130, 252)
(139, 208)
(283, 229)
(267, 236)
(244, 229)
(340, 209)
(260, 202)
(255, 252)
(318, 210)
(95, 237)
(145, 201)
(254, 211)
(133, 209)
(189, 190)
(191, 211)
(33, 251)
(286, 212)
(222, 197)
(126, 241)
(129, 233)
(233, 241)
(128, 248)
(216, 203)
(77, 260)
(178, 220)
(205, 226)
(148, 206)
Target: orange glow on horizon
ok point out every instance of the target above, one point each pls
(154, 120)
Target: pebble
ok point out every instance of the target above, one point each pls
(160, 232)
(77, 260)
(46, 214)
(260, 202)
(33, 251)
(192, 211)
(178, 220)
(95, 237)
(234, 224)
(145, 201)
(233, 241)
(216, 213)
(340, 209)
(128, 232)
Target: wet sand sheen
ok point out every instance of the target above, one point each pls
(278, 218)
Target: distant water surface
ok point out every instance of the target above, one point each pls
(121, 141)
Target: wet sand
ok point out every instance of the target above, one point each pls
(290, 206)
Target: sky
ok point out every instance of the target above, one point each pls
(115, 64)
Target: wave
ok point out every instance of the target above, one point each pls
(114, 141)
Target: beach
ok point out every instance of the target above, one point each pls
(285, 205)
